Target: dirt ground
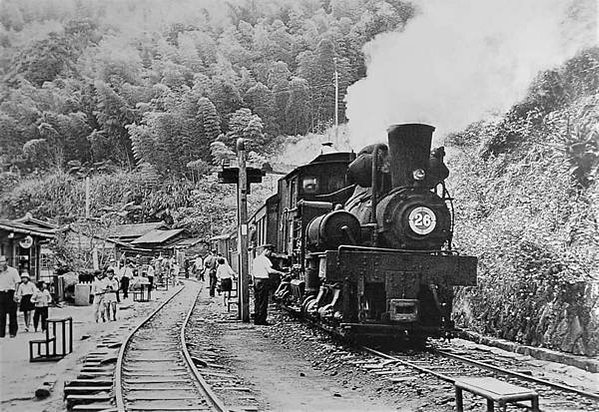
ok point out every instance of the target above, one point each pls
(292, 367)
(288, 366)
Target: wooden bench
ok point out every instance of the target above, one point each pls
(494, 390)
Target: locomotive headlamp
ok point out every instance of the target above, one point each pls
(419, 174)
(422, 220)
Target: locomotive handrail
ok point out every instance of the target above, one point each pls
(380, 249)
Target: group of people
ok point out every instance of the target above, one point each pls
(105, 289)
(220, 273)
(17, 291)
(221, 277)
(114, 279)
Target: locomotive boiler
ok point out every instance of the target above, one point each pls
(369, 239)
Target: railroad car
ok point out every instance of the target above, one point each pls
(367, 239)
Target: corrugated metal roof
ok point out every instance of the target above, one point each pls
(157, 236)
(134, 229)
(188, 242)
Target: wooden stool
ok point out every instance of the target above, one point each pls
(58, 342)
(232, 298)
(144, 294)
(494, 390)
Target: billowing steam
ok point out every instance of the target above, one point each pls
(460, 60)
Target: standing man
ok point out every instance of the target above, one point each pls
(211, 263)
(126, 276)
(261, 268)
(9, 280)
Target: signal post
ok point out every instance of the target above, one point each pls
(242, 235)
(243, 176)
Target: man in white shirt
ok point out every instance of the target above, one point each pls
(9, 280)
(261, 268)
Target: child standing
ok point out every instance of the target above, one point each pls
(23, 295)
(112, 286)
(42, 299)
(98, 290)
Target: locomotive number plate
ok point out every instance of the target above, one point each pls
(422, 220)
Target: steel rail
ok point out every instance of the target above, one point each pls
(204, 386)
(591, 395)
(118, 378)
(482, 365)
(445, 378)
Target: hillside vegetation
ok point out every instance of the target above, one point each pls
(153, 83)
(527, 186)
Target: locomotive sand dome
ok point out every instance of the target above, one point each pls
(368, 239)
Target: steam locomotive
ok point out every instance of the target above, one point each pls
(368, 238)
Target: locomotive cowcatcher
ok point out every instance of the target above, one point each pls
(368, 239)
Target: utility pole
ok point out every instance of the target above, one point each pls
(336, 104)
(242, 187)
(87, 197)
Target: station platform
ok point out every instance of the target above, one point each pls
(20, 378)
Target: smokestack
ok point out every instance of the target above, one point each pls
(409, 149)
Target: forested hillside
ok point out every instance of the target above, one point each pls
(147, 96)
(156, 82)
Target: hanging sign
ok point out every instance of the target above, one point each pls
(26, 242)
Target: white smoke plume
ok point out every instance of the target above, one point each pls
(459, 61)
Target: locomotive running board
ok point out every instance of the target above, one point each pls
(430, 267)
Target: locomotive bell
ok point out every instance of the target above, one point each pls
(409, 151)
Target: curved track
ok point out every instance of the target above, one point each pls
(154, 370)
(448, 367)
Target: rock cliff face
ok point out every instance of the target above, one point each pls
(527, 190)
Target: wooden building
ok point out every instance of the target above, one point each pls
(26, 244)
(161, 241)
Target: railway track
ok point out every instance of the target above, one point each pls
(449, 366)
(154, 371)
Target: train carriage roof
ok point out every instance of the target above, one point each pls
(325, 158)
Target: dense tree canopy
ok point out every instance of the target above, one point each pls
(142, 82)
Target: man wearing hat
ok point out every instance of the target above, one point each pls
(261, 268)
(9, 280)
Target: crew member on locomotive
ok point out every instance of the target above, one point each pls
(261, 269)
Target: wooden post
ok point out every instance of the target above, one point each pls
(242, 185)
